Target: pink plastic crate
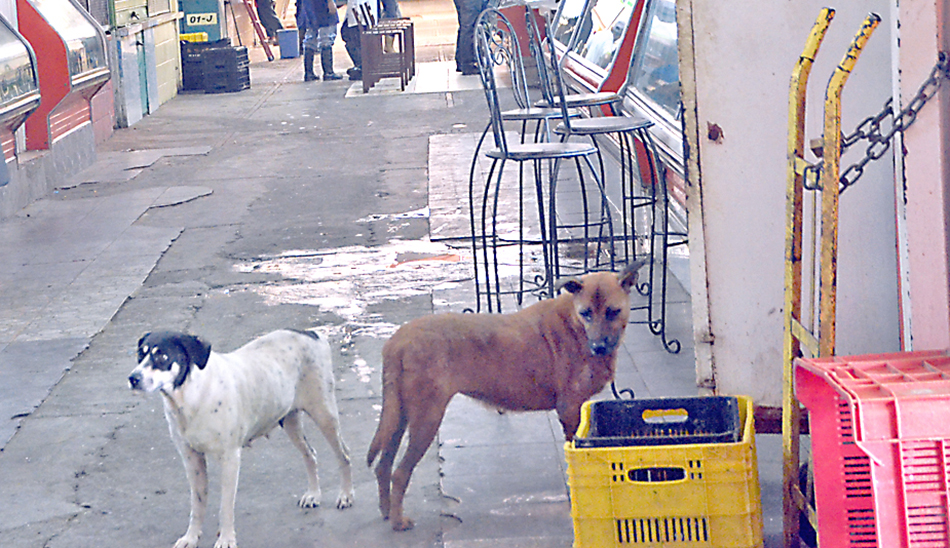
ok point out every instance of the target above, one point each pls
(880, 428)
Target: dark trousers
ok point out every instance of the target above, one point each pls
(268, 17)
(351, 39)
(467, 11)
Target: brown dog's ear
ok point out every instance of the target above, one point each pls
(628, 278)
(572, 285)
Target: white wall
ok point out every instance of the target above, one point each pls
(743, 55)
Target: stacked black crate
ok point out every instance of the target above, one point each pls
(226, 70)
(214, 67)
(191, 64)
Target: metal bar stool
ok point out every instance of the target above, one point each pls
(549, 70)
(525, 114)
(663, 238)
(497, 46)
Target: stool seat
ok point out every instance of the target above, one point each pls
(602, 125)
(531, 113)
(542, 151)
(587, 99)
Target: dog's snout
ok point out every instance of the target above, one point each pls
(135, 381)
(602, 347)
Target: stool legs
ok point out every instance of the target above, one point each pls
(604, 224)
(491, 284)
(653, 199)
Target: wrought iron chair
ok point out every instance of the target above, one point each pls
(525, 112)
(626, 129)
(496, 45)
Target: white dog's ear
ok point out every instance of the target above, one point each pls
(571, 285)
(198, 350)
(628, 278)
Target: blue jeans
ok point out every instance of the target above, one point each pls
(390, 9)
(467, 11)
(317, 39)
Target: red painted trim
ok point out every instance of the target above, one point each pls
(51, 67)
(618, 71)
(675, 184)
(7, 143)
(580, 71)
(515, 15)
(71, 113)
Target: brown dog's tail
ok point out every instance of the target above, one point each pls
(389, 417)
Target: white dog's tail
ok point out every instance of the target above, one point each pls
(392, 406)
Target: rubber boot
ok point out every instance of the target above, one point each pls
(326, 59)
(308, 74)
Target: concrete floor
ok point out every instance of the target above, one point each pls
(285, 205)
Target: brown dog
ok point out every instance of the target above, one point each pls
(552, 355)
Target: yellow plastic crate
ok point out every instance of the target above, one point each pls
(670, 496)
(193, 36)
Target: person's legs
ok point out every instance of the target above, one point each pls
(309, 48)
(390, 9)
(268, 17)
(467, 11)
(351, 39)
(325, 38)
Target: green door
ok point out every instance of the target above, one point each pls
(143, 74)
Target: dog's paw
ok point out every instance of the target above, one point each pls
(345, 500)
(226, 541)
(310, 499)
(187, 541)
(403, 524)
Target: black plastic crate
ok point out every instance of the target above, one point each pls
(226, 81)
(232, 59)
(193, 61)
(191, 79)
(665, 421)
(192, 52)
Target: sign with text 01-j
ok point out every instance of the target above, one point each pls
(200, 19)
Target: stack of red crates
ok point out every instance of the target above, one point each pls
(880, 428)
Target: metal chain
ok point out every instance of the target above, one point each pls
(870, 128)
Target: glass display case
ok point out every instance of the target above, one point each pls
(654, 73)
(593, 32)
(653, 88)
(72, 65)
(85, 46)
(601, 30)
(566, 20)
(19, 83)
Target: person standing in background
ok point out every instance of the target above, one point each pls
(390, 9)
(350, 31)
(269, 19)
(318, 20)
(467, 11)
